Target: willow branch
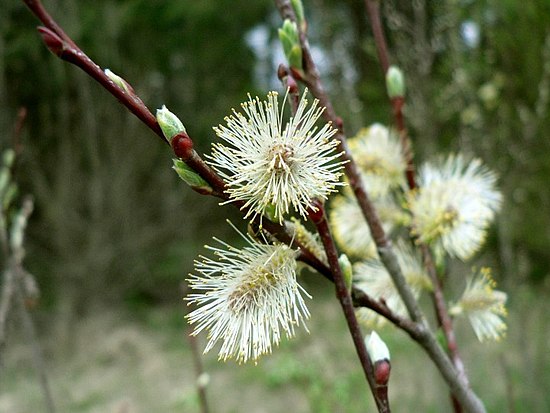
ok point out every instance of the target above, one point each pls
(66, 49)
(425, 337)
(445, 321)
(319, 219)
(313, 81)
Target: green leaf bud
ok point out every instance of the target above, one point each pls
(191, 178)
(169, 123)
(120, 82)
(290, 40)
(347, 270)
(395, 82)
(299, 11)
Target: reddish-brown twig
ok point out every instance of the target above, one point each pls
(445, 321)
(65, 48)
(319, 219)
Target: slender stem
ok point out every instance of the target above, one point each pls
(64, 47)
(445, 321)
(424, 337)
(313, 81)
(343, 295)
(373, 9)
(8, 291)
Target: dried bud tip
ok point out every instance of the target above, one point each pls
(52, 40)
(182, 145)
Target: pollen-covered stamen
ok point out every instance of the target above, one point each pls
(445, 222)
(456, 202)
(249, 293)
(372, 165)
(247, 298)
(281, 155)
(271, 164)
(484, 306)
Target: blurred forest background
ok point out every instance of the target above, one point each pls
(115, 232)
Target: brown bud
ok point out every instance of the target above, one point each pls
(52, 40)
(282, 71)
(382, 369)
(182, 145)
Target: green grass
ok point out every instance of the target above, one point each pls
(139, 361)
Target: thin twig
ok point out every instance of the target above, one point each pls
(445, 321)
(424, 337)
(65, 48)
(313, 81)
(319, 219)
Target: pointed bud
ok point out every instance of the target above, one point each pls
(191, 178)
(376, 348)
(203, 380)
(120, 82)
(299, 11)
(395, 82)
(380, 358)
(52, 41)
(169, 123)
(290, 40)
(347, 270)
